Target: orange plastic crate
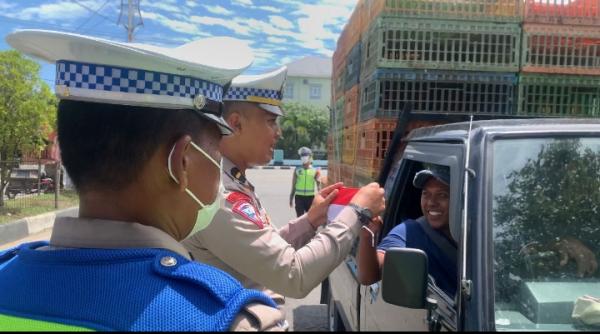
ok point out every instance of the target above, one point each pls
(352, 106)
(576, 12)
(561, 49)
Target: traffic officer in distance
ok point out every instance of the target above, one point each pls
(305, 182)
(139, 130)
(241, 239)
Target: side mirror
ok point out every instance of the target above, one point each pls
(404, 281)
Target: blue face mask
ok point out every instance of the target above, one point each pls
(207, 212)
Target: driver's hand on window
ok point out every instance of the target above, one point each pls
(570, 248)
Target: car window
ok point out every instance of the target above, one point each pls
(546, 230)
(443, 269)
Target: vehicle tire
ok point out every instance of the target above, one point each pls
(334, 320)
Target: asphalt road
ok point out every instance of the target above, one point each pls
(273, 186)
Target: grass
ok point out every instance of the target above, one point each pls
(32, 205)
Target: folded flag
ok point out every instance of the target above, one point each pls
(342, 199)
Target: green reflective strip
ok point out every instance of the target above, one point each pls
(14, 324)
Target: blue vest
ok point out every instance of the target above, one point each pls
(119, 289)
(409, 234)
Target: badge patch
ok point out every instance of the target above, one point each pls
(249, 212)
(236, 196)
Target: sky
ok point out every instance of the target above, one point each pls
(278, 31)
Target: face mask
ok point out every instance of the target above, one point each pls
(305, 159)
(207, 211)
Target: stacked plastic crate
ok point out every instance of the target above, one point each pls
(560, 61)
(346, 97)
(448, 58)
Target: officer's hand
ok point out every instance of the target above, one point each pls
(317, 214)
(370, 197)
(570, 248)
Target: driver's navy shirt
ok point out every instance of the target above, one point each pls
(409, 234)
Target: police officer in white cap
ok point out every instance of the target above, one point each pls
(242, 240)
(139, 130)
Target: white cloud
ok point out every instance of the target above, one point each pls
(218, 10)
(281, 22)
(276, 40)
(232, 25)
(245, 3)
(54, 11)
(168, 6)
(270, 9)
(175, 25)
(191, 3)
(5, 5)
(314, 19)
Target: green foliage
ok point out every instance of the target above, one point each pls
(302, 125)
(555, 195)
(27, 110)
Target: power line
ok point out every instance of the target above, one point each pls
(134, 17)
(97, 33)
(92, 10)
(94, 13)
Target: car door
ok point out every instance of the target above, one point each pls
(344, 285)
(404, 202)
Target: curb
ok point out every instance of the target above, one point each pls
(22, 228)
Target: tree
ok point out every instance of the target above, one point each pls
(555, 195)
(302, 125)
(27, 112)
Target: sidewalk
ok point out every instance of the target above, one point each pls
(30, 228)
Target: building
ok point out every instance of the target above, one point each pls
(309, 81)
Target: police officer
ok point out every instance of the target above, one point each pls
(305, 182)
(290, 261)
(139, 130)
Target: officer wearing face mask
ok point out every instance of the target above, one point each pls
(139, 128)
(242, 240)
(305, 183)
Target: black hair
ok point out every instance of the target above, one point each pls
(105, 146)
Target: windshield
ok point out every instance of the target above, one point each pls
(546, 232)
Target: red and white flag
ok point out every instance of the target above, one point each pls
(340, 202)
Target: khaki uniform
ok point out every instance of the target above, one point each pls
(94, 233)
(290, 261)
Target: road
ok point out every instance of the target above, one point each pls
(273, 186)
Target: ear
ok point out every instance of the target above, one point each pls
(234, 120)
(179, 161)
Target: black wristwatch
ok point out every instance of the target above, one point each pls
(364, 214)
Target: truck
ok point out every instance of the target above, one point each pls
(517, 187)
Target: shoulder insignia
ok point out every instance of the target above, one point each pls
(236, 196)
(248, 211)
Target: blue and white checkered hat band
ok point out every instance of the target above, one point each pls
(154, 86)
(242, 94)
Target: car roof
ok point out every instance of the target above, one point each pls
(459, 131)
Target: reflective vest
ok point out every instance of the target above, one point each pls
(305, 181)
(116, 289)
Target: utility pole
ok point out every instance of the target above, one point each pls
(133, 19)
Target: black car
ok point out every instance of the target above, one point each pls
(518, 188)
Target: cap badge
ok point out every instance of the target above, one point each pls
(199, 101)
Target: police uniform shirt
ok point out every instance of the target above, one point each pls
(242, 241)
(71, 232)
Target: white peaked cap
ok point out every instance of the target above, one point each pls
(265, 89)
(190, 76)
